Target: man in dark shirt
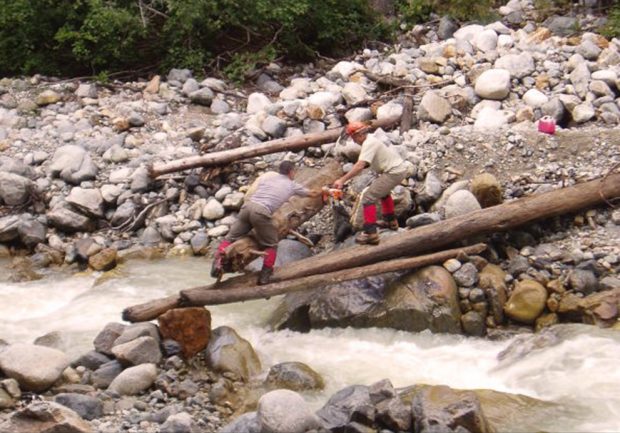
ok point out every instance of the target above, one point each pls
(271, 193)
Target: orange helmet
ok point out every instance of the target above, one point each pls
(355, 127)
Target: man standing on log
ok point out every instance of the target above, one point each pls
(271, 193)
(391, 170)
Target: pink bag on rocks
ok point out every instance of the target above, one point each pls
(546, 124)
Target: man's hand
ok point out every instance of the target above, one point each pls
(338, 184)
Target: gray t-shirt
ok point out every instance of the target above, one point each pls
(273, 191)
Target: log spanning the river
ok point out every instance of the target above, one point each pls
(273, 146)
(205, 296)
(423, 239)
(291, 214)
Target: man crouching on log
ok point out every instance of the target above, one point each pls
(256, 213)
(391, 170)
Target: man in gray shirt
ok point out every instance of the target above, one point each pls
(271, 193)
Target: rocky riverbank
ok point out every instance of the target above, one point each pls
(75, 192)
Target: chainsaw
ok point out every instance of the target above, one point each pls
(332, 194)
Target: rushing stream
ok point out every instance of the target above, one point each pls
(579, 373)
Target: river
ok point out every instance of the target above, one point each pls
(579, 374)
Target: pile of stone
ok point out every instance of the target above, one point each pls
(75, 155)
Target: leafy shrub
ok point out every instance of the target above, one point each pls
(612, 28)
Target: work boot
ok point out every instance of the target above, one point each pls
(390, 222)
(265, 276)
(370, 238)
(217, 269)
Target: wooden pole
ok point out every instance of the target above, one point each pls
(204, 296)
(279, 145)
(436, 236)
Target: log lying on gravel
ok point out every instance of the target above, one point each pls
(290, 215)
(273, 146)
(202, 296)
(423, 239)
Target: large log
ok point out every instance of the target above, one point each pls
(205, 296)
(291, 214)
(273, 146)
(435, 236)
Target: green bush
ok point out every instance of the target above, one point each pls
(419, 11)
(612, 28)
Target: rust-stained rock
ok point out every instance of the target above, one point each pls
(46, 417)
(104, 260)
(190, 327)
(487, 190)
(493, 282)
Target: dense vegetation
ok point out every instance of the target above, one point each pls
(90, 37)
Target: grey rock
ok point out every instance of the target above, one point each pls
(104, 341)
(561, 26)
(123, 213)
(32, 232)
(473, 324)
(73, 164)
(349, 404)
(467, 275)
(14, 189)
(200, 243)
(423, 219)
(461, 203)
(179, 75)
(67, 220)
(150, 236)
(180, 423)
(434, 107)
(583, 281)
(274, 126)
(228, 352)
(518, 265)
(295, 376)
(104, 375)
(138, 330)
(85, 406)
(142, 350)
(9, 228)
(246, 423)
(203, 96)
(446, 27)
(140, 180)
(87, 201)
(91, 360)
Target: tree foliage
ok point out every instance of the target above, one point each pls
(100, 37)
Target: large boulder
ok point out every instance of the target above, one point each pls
(228, 352)
(493, 84)
(426, 299)
(36, 368)
(46, 417)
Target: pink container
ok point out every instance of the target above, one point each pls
(547, 125)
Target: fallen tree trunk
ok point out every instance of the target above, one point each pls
(273, 146)
(428, 238)
(204, 296)
(291, 214)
